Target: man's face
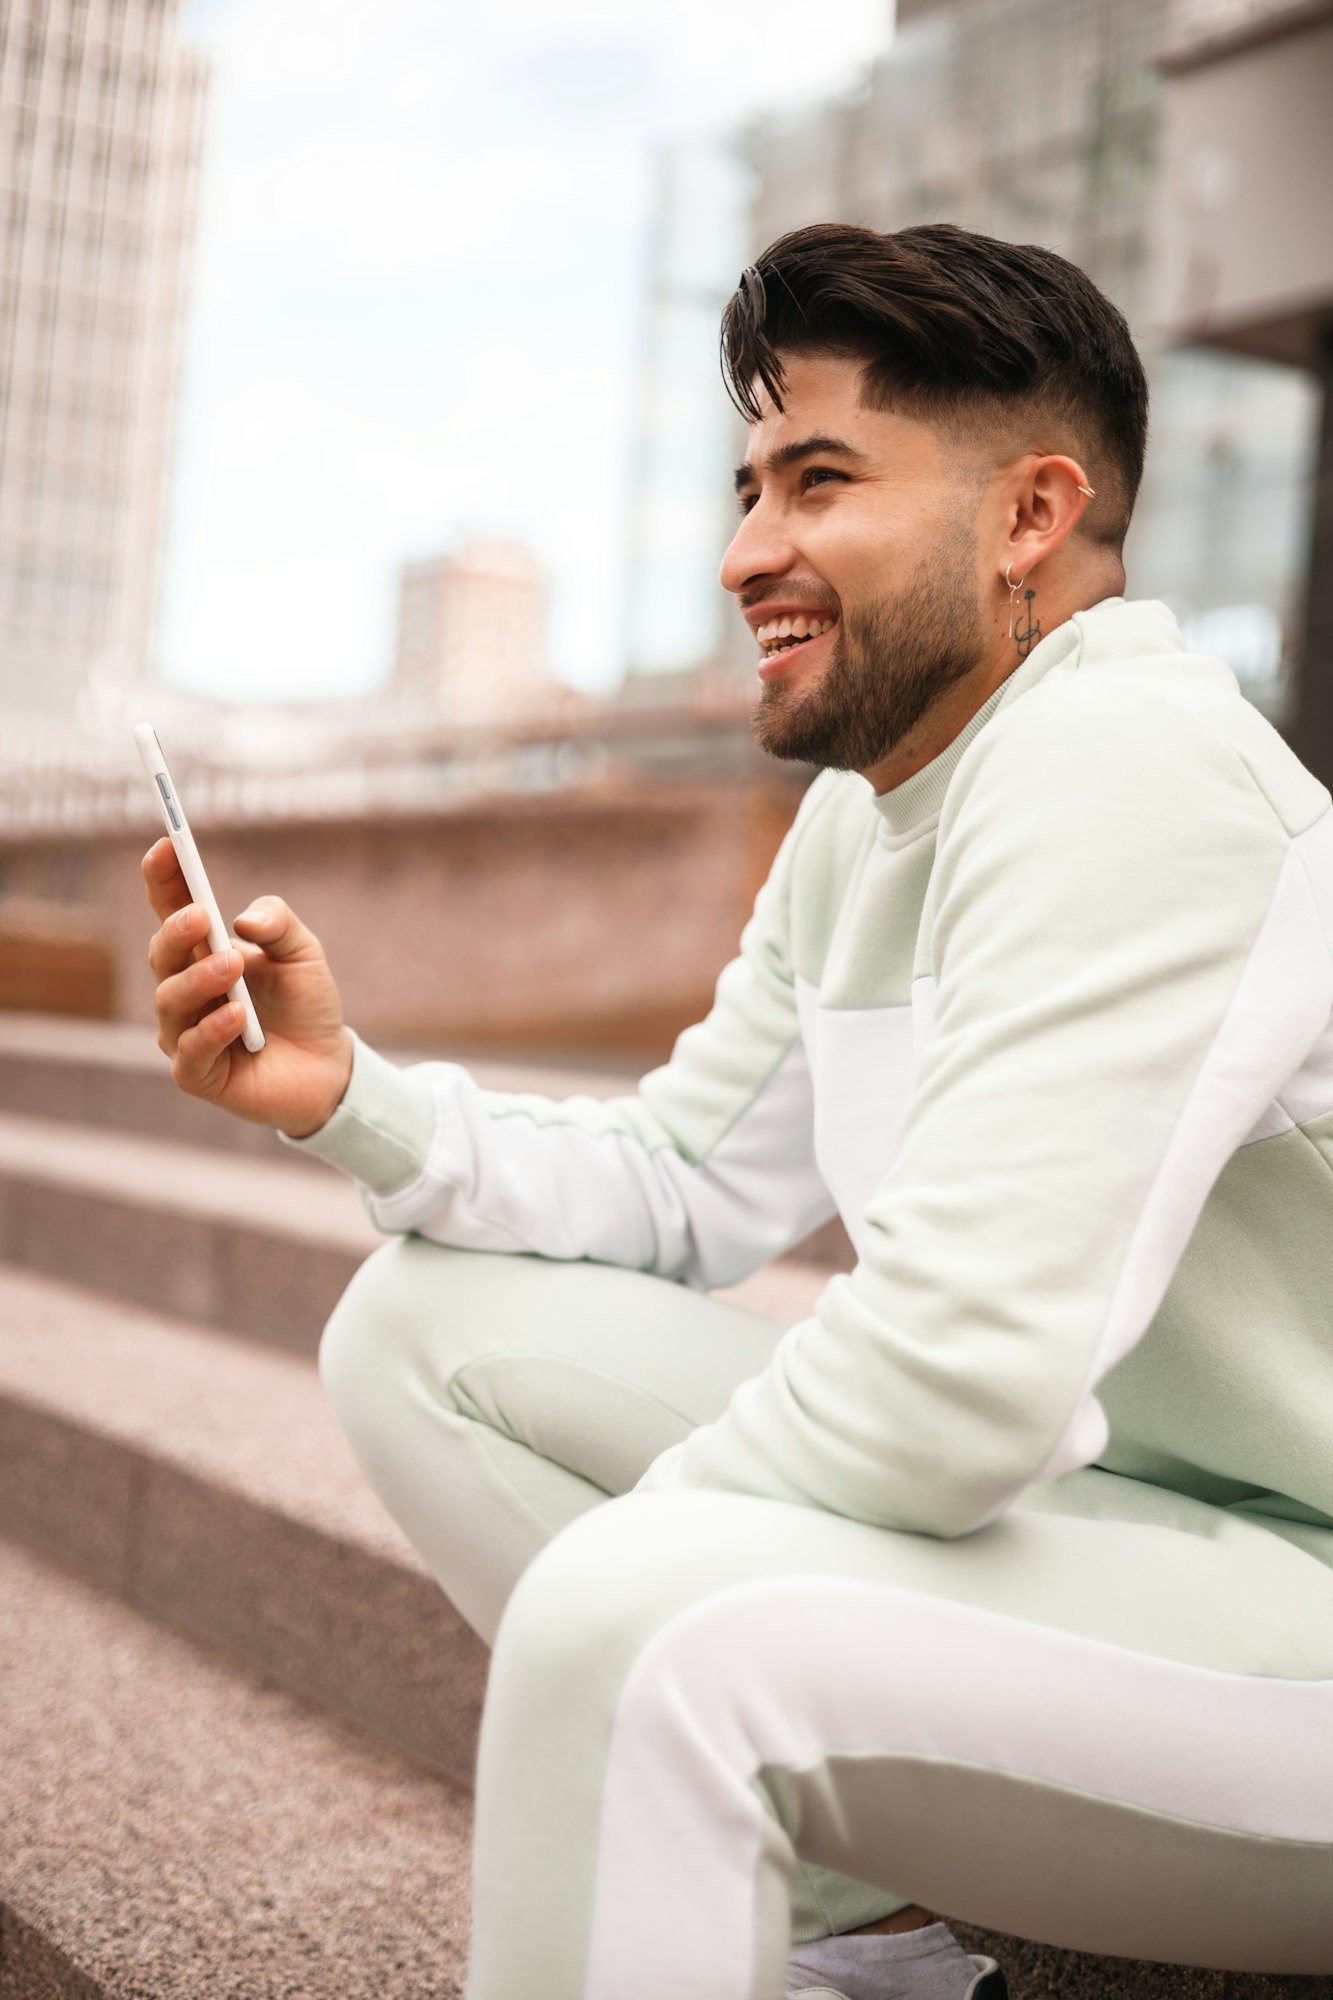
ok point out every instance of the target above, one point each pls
(867, 519)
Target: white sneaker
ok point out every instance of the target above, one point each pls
(989, 1984)
(925, 1964)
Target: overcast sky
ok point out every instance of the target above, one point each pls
(415, 302)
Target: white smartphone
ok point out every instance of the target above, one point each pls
(192, 868)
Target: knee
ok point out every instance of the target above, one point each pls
(371, 1350)
(567, 1625)
(589, 1601)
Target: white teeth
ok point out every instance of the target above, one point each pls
(788, 631)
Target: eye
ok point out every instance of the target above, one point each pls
(820, 472)
(744, 502)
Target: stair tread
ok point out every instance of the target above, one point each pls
(318, 1203)
(233, 1412)
(238, 1415)
(175, 1826)
(131, 1045)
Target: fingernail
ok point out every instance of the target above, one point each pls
(184, 919)
(220, 964)
(248, 917)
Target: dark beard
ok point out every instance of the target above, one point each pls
(888, 665)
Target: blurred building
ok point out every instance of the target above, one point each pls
(472, 636)
(1040, 121)
(100, 116)
(1245, 246)
(680, 502)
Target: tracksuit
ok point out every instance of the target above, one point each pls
(1004, 1582)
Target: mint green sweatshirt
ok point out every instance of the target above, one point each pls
(1050, 1025)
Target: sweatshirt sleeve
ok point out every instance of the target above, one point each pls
(1128, 963)
(702, 1175)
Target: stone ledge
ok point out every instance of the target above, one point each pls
(1040, 1972)
(206, 1482)
(174, 1828)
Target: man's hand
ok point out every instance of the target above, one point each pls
(297, 1079)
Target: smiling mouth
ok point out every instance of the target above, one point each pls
(781, 634)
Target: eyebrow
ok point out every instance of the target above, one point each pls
(790, 454)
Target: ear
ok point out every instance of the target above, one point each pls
(1048, 497)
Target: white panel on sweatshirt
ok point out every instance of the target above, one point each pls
(1309, 1093)
(862, 1060)
(1279, 1011)
(823, 1664)
(1315, 846)
(502, 1181)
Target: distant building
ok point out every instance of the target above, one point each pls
(101, 110)
(1040, 121)
(680, 508)
(1245, 251)
(472, 636)
(1036, 121)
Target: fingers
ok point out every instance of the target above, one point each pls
(163, 881)
(184, 924)
(174, 946)
(196, 1054)
(184, 996)
(275, 925)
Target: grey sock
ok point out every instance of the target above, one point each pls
(926, 1964)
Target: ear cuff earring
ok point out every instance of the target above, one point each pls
(1014, 588)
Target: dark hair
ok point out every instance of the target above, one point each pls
(951, 325)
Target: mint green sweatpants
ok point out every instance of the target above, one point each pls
(716, 1724)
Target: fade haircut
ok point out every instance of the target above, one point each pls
(954, 328)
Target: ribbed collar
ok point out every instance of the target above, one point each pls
(910, 808)
(915, 804)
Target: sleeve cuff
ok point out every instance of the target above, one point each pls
(381, 1132)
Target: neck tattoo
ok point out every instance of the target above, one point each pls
(1027, 635)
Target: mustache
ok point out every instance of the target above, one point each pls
(747, 599)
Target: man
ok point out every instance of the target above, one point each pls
(1003, 1585)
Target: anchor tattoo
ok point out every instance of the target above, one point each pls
(1026, 636)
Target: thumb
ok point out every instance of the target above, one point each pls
(275, 925)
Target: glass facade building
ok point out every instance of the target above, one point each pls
(100, 115)
(1038, 121)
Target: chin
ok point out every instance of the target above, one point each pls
(781, 730)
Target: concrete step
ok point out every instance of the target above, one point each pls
(1040, 1972)
(175, 1828)
(203, 1479)
(112, 1074)
(219, 1239)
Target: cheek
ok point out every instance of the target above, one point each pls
(859, 566)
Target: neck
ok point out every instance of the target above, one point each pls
(949, 713)
(952, 710)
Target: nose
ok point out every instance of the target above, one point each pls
(759, 549)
